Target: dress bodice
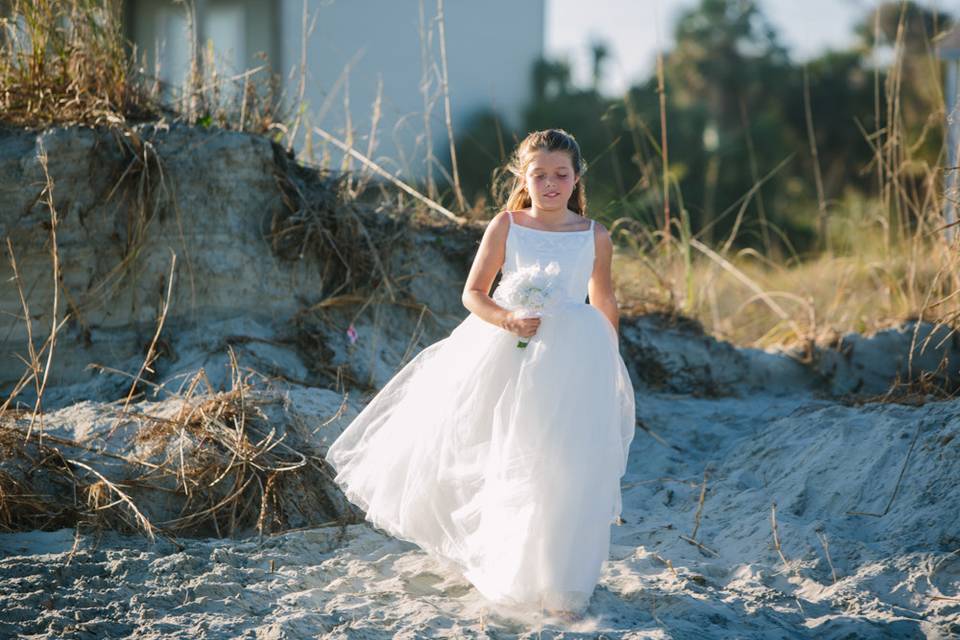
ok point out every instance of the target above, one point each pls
(573, 251)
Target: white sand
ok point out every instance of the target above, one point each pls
(898, 575)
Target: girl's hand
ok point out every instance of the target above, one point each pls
(525, 327)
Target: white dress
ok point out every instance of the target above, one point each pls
(505, 461)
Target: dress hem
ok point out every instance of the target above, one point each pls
(466, 570)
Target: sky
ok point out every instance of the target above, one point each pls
(633, 28)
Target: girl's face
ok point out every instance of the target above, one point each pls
(550, 179)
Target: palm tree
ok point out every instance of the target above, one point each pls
(600, 52)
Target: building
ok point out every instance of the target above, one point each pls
(352, 47)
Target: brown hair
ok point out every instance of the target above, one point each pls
(512, 175)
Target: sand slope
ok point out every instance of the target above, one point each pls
(897, 575)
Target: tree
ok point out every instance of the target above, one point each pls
(600, 52)
(920, 82)
(728, 74)
(550, 78)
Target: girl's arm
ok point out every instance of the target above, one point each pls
(484, 269)
(600, 287)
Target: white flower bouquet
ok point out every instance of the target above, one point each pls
(530, 289)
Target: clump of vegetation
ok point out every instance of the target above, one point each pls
(219, 462)
(68, 62)
(846, 234)
(63, 62)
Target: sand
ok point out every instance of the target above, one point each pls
(895, 574)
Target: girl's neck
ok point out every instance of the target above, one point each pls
(550, 217)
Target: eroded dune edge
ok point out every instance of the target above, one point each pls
(769, 494)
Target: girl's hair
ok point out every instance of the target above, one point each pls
(512, 175)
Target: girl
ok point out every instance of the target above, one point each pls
(500, 448)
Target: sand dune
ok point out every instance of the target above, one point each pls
(766, 496)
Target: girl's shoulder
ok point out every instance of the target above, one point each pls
(499, 224)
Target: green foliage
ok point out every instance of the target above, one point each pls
(737, 115)
(480, 150)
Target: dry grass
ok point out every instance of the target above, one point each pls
(350, 239)
(922, 387)
(692, 538)
(826, 552)
(22, 508)
(38, 372)
(896, 487)
(776, 537)
(763, 303)
(230, 464)
(883, 261)
(67, 62)
(64, 62)
(221, 462)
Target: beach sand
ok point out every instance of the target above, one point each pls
(895, 575)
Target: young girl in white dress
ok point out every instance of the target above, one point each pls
(502, 459)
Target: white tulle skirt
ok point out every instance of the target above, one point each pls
(505, 461)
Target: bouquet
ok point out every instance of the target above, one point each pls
(530, 289)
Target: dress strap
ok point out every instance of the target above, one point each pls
(510, 215)
(591, 223)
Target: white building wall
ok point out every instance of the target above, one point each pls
(491, 47)
(239, 30)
